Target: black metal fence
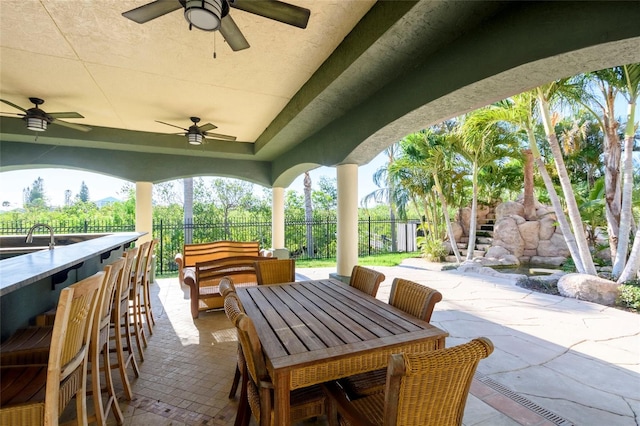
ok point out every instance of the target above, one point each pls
(374, 236)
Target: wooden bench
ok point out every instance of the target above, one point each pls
(219, 258)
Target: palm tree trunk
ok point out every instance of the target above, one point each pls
(632, 270)
(188, 209)
(565, 182)
(308, 214)
(627, 194)
(569, 238)
(529, 204)
(447, 220)
(473, 219)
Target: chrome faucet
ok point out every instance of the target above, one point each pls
(40, 225)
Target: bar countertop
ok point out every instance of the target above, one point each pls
(19, 271)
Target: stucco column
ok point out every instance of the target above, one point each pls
(277, 223)
(144, 210)
(347, 218)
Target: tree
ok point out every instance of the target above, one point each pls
(482, 143)
(230, 194)
(545, 95)
(326, 199)
(632, 78)
(519, 111)
(188, 209)
(67, 197)
(34, 196)
(83, 195)
(389, 192)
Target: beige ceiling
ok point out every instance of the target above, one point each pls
(361, 76)
(85, 56)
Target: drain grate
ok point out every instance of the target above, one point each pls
(542, 412)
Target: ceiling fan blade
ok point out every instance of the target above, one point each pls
(13, 105)
(207, 126)
(219, 136)
(65, 115)
(74, 126)
(172, 125)
(153, 10)
(277, 10)
(232, 34)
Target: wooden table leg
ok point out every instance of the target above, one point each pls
(282, 392)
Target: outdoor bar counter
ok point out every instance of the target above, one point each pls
(30, 284)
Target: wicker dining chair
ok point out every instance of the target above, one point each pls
(233, 309)
(276, 271)
(413, 298)
(36, 394)
(366, 280)
(305, 402)
(423, 389)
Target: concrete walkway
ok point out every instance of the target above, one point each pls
(564, 360)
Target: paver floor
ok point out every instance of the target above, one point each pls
(556, 360)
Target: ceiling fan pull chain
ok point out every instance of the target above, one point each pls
(214, 45)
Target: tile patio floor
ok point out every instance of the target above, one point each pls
(557, 361)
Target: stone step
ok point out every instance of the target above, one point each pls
(483, 247)
(485, 228)
(476, 253)
(484, 233)
(484, 240)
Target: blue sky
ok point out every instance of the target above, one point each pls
(56, 181)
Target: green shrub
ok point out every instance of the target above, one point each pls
(432, 250)
(630, 295)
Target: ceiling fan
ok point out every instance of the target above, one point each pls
(213, 15)
(37, 119)
(196, 134)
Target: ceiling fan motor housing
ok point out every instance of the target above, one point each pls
(205, 14)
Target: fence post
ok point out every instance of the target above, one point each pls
(86, 226)
(161, 248)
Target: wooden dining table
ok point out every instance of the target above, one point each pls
(321, 330)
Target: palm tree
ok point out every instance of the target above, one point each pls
(428, 152)
(389, 192)
(519, 112)
(545, 94)
(482, 143)
(188, 209)
(308, 213)
(632, 77)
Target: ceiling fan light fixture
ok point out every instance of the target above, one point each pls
(204, 14)
(36, 124)
(194, 138)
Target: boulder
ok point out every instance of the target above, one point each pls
(554, 247)
(529, 231)
(507, 235)
(550, 261)
(496, 252)
(589, 288)
(458, 232)
(509, 208)
(547, 228)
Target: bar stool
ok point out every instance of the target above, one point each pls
(146, 282)
(136, 299)
(121, 325)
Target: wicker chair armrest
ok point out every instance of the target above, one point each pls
(179, 259)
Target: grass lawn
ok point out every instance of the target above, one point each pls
(390, 259)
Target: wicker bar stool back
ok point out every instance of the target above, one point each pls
(121, 339)
(423, 389)
(276, 271)
(366, 280)
(36, 394)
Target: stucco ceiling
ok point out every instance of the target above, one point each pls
(362, 75)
